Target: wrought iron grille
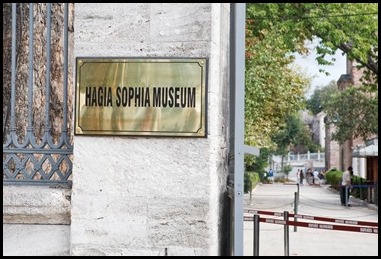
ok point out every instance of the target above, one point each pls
(37, 102)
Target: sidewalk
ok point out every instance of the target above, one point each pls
(313, 201)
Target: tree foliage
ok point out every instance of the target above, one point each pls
(258, 163)
(321, 94)
(273, 90)
(350, 27)
(353, 112)
(287, 169)
(294, 132)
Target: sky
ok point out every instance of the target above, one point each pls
(310, 66)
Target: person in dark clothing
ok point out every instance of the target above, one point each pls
(301, 177)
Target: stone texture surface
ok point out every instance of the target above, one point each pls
(150, 195)
(36, 205)
(36, 240)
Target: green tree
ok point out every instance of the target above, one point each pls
(258, 163)
(294, 132)
(274, 30)
(354, 112)
(273, 88)
(286, 170)
(255, 167)
(321, 94)
(350, 27)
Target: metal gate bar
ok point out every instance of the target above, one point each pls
(30, 161)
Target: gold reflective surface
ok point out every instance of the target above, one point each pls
(158, 97)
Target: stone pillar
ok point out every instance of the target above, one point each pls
(153, 195)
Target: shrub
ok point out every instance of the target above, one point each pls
(280, 178)
(333, 177)
(250, 179)
(287, 169)
(359, 192)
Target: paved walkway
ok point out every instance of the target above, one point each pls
(315, 201)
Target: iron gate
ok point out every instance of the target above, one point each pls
(37, 139)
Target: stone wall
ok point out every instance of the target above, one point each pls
(150, 195)
(36, 205)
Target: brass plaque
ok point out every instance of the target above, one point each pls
(157, 97)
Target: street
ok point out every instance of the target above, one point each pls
(306, 241)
